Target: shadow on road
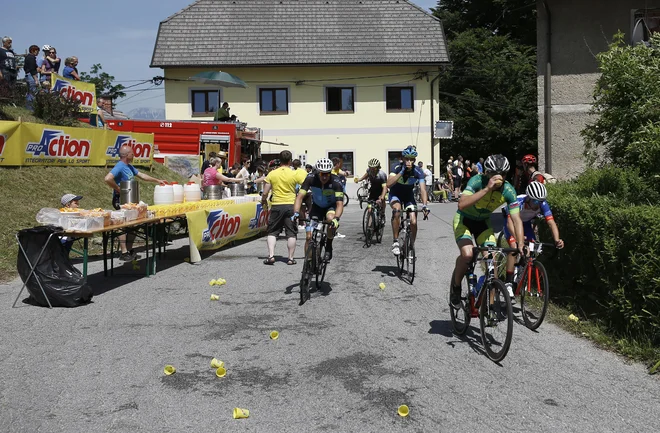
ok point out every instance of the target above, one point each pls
(444, 328)
(389, 271)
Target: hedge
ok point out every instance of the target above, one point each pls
(610, 267)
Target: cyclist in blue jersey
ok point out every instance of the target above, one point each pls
(327, 202)
(531, 205)
(401, 183)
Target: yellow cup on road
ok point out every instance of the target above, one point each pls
(382, 286)
(274, 335)
(220, 372)
(169, 370)
(241, 413)
(215, 297)
(216, 363)
(403, 410)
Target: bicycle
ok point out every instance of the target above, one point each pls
(363, 191)
(487, 299)
(531, 284)
(314, 265)
(373, 222)
(406, 258)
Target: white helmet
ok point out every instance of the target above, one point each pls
(46, 48)
(324, 165)
(537, 191)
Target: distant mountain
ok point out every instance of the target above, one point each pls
(146, 113)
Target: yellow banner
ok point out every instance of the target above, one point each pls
(23, 143)
(213, 229)
(72, 89)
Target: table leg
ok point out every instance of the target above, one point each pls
(85, 249)
(105, 254)
(153, 248)
(146, 250)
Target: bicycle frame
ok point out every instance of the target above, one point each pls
(535, 249)
(475, 300)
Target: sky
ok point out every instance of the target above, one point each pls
(119, 34)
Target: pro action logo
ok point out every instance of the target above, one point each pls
(69, 91)
(260, 218)
(221, 225)
(55, 143)
(140, 150)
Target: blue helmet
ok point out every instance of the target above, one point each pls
(409, 152)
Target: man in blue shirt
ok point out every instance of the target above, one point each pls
(480, 165)
(122, 171)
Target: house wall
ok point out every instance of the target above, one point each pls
(369, 132)
(580, 30)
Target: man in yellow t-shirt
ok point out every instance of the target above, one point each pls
(282, 183)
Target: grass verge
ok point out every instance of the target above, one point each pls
(634, 349)
(25, 190)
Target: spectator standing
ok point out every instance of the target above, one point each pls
(31, 73)
(122, 171)
(213, 174)
(222, 115)
(428, 179)
(207, 163)
(244, 173)
(457, 174)
(282, 182)
(70, 71)
(8, 71)
(50, 64)
(480, 165)
(108, 110)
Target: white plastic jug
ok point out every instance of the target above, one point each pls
(164, 194)
(178, 192)
(191, 192)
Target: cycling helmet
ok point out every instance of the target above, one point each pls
(529, 159)
(537, 191)
(274, 163)
(324, 165)
(374, 163)
(409, 152)
(46, 48)
(497, 163)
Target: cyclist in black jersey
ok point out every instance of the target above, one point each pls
(327, 202)
(377, 183)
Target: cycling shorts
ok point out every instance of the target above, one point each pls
(319, 212)
(404, 196)
(529, 232)
(375, 191)
(466, 228)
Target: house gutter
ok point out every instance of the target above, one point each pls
(547, 90)
(433, 124)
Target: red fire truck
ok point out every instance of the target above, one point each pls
(189, 137)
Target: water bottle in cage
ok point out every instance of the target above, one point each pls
(472, 283)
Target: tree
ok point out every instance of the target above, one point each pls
(627, 106)
(513, 18)
(489, 92)
(103, 82)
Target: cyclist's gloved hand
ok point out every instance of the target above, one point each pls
(335, 223)
(295, 216)
(403, 168)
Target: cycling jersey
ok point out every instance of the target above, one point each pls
(482, 209)
(527, 213)
(323, 196)
(409, 178)
(379, 179)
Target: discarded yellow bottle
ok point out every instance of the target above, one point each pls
(216, 363)
(241, 413)
(215, 297)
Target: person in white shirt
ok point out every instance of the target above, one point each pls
(244, 173)
(428, 178)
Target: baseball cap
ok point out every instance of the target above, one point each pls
(68, 198)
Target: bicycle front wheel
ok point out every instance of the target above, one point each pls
(307, 272)
(496, 320)
(346, 199)
(410, 260)
(380, 226)
(367, 222)
(322, 265)
(534, 295)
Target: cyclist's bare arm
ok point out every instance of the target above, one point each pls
(518, 230)
(555, 233)
(468, 200)
(339, 208)
(364, 176)
(425, 195)
(392, 179)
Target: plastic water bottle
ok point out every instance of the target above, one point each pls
(472, 283)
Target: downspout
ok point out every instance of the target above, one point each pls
(547, 87)
(433, 124)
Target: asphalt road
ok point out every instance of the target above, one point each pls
(344, 361)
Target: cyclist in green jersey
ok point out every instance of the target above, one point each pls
(484, 193)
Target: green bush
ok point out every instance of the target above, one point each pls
(610, 268)
(57, 110)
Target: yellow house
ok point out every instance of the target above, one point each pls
(349, 78)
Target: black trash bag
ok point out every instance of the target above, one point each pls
(63, 283)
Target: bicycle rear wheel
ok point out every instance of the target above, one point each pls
(410, 259)
(362, 195)
(496, 320)
(380, 226)
(460, 317)
(534, 296)
(400, 259)
(346, 199)
(307, 272)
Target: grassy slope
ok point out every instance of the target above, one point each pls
(24, 191)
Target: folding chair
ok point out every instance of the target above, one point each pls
(33, 265)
